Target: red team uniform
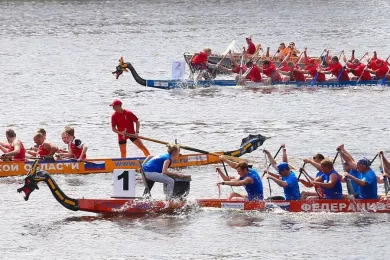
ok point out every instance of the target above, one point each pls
(22, 155)
(311, 67)
(122, 121)
(76, 147)
(271, 72)
(251, 48)
(336, 69)
(254, 75)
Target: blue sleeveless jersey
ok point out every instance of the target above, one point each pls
(156, 163)
(370, 191)
(291, 192)
(254, 190)
(337, 191)
(357, 174)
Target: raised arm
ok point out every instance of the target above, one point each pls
(271, 159)
(229, 162)
(347, 157)
(312, 162)
(284, 154)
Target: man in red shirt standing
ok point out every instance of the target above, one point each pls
(335, 68)
(122, 122)
(251, 46)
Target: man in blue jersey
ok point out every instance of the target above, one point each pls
(368, 182)
(249, 178)
(369, 186)
(329, 181)
(286, 179)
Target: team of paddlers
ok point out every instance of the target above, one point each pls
(289, 59)
(361, 179)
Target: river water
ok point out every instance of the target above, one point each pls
(56, 62)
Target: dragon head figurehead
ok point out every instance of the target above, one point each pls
(30, 183)
(120, 68)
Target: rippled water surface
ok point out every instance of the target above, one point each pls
(56, 59)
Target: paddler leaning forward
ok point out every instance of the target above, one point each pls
(156, 168)
(248, 177)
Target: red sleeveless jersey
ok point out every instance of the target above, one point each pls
(42, 151)
(22, 155)
(76, 147)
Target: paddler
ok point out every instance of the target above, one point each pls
(316, 163)
(380, 70)
(335, 68)
(368, 182)
(294, 73)
(357, 68)
(254, 74)
(14, 149)
(248, 177)
(363, 176)
(286, 177)
(45, 149)
(293, 50)
(122, 123)
(269, 69)
(287, 180)
(329, 181)
(235, 67)
(76, 148)
(200, 62)
(156, 168)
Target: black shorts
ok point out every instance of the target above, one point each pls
(125, 141)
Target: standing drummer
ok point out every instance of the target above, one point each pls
(122, 122)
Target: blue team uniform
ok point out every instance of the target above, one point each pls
(356, 188)
(156, 163)
(337, 191)
(370, 191)
(254, 190)
(291, 192)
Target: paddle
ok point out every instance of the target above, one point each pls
(249, 144)
(385, 179)
(75, 160)
(365, 67)
(343, 68)
(280, 148)
(316, 76)
(267, 171)
(348, 180)
(300, 171)
(219, 63)
(319, 190)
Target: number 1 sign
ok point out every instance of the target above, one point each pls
(124, 183)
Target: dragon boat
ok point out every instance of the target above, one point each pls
(142, 205)
(177, 83)
(104, 165)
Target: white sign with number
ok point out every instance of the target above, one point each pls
(178, 69)
(124, 183)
